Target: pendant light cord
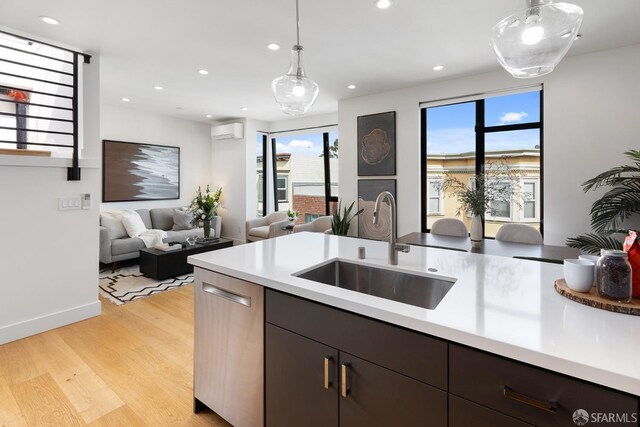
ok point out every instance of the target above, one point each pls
(297, 24)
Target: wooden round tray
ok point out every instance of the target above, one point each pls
(592, 299)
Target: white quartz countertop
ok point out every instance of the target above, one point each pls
(501, 305)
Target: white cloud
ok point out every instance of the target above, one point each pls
(300, 143)
(512, 117)
(280, 146)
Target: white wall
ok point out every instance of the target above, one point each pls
(591, 105)
(193, 138)
(49, 258)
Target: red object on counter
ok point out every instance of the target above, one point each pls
(632, 247)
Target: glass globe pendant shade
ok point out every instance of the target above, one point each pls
(532, 42)
(295, 92)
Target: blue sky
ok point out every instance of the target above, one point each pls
(450, 128)
(309, 144)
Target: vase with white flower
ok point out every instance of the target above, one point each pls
(204, 209)
(292, 215)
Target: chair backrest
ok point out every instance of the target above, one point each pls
(322, 224)
(519, 233)
(275, 216)
(449, 227)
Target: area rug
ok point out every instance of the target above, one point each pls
(127, 284)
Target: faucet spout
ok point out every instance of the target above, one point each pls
(394, 247)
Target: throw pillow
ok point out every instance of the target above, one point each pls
(112, 221)
(182, 219)
(133, 223)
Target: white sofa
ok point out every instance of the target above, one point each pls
(266, 227)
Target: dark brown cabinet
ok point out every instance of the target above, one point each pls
(311, 383)
(328, 367)
(375, 396)
(301, 380)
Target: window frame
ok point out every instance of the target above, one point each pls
(440, 197)
(480, 132)
(535, 199)
(285, 177)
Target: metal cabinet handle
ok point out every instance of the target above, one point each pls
(223, 293)
(551, 407)
(327, 383)
(344, 389)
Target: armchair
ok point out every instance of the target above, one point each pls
(318, 225)
(266, 227)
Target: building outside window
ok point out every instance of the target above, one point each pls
(462, 137)
(301, 162)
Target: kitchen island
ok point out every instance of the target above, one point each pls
(505, 307)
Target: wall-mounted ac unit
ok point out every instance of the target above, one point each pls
(228, 131)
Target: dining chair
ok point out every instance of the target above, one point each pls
(519, 233)
(449, 227)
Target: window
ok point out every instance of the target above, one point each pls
(310, 217)
(261, 146)
(306, 167)
(464, 138)
(282, 189)
(530, 210)
(435, 197)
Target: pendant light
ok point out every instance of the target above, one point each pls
(294, 91)
(532, 42)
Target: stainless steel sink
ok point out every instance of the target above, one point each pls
(421, 291)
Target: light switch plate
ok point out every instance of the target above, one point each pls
(69, 203)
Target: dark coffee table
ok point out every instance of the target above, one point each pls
(160, 265)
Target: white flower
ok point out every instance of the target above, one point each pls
(203, 216)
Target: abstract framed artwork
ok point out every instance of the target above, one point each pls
(377, 144)
(368, 190)
(136, 172)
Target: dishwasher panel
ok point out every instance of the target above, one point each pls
(229, 347)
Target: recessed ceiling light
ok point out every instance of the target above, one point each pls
(208, 116)
(578, 36)
(126, 100)
(351, 86)
(273, 46)
(203, 72)
(383, 4)
(438, 68)
(49, 20)
(158, 87)
(244, 108)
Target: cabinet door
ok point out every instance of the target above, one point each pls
(301, 381)
(463, 413)
(375, 396)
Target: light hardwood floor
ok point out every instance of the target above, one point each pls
(131, 366)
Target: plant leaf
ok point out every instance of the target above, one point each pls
(592, 243)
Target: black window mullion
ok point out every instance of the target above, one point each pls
(423, 169)
(274, 166)
(480, 147)
(327, 171)
(506, 128)
(265, 140)
(541, 186)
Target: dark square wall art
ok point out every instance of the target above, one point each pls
(377, 144)
(133, 172)
(368, 190)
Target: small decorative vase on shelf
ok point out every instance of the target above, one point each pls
(476, 231)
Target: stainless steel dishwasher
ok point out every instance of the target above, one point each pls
(228, 372)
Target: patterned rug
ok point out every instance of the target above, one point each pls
(127, 284)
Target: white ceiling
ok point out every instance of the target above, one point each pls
(143, 43)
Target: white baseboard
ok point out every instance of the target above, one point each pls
(37, 325)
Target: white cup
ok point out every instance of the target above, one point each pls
(578, 273)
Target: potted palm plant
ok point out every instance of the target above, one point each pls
(609, 213)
